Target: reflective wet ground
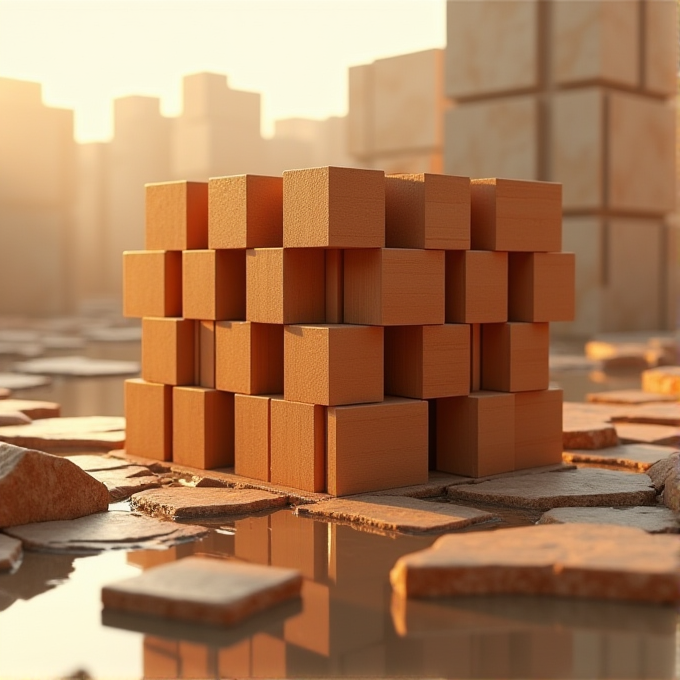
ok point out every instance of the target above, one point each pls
(347, 624)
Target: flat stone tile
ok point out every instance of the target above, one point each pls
(603, 412)
(639, 457)
(663, 380)
(393, 513)
(16, 381)
(630, 433)
(94, 463)
(583, 487)
(583, 432)
(628, 397)
(10, 552)
(653, 519)
(35, 410)
(197, 502)
(77, 366)
(124, 482)
(652, 414)
(570, 560)
(204, 590)
(104, 531)
(13, 418)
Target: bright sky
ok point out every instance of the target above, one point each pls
(294, 52)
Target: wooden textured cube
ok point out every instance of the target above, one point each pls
(427, 211)
(245, 211)
(333, 207)
(541, 286)
(377, 446)
(251, 436)
(516, 215)
(168, 346)
(148, 419)
(214, 284)
(333, 364)
(538, 428)
(515, 356)
(476, 287)
(285, 285)
(394, 287)
(249, 357)
(177, 215)
(476, 434)
(202, 427)
(298, 435)
(152, 283)
(205, 353)
(426, 362)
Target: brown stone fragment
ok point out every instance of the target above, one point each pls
(583, 487)
(585, 561)
(639, 457)
(654, 520)
(204, 590)
(393, 513)
(630, 433)
(188, 502)
(666, 476)
(38, 487)
(587, 433)
(35, 410)
(10, 553)
(630, 397)
(665, 380)
(123, 482)
(94, 463)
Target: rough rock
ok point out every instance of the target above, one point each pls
(10, 552)
(588, 433)
(392, 513)
(584, 487)
(77, 366)
(664, 380)
(669, 472)
(631, 433)
(629, 397)
(653, 519)
(123, 482)
(63, 433)
(35, 410)
(569, 560)
(38, 487)
(660, 471)
(204, 590)
(104, 531)
(192, 503)
(15, 381)
(639, 457)
(13, 418)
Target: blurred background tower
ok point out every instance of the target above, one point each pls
(581, 93)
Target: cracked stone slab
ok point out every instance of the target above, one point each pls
(126, 481)
(35, 410)
(628, 397)
(653, 519)
(94, 463)
(583, 487)
(16, 381)
(639, 457)
(204, 590)
(10, 553)
(396, 513)
(631, 433)
(663, 380)
(77, 366)
(197, 502)
(104, 531)
(569, 560)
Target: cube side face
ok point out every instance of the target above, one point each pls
(306, 352)
(483, 214)
(522, 286)
(660, 47)
(306, 208)
(446, 361)
(377, 446)
(538, 428)
(199, 289)
(297, 445)
(264, 285)
(404, 361)
(554, 276)
(304, 286)
(266, 358)
(496, 432)
(230, 285)
(405, 211)
(363, 286)
(168, 346)
(456, 436)
(220, 424)
(152, 283)
(447, 212)
(148, 417)
(205, 353)
(251, 436)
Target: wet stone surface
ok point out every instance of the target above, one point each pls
(653, 519)
(10, 552)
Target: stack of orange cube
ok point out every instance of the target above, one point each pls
(339, 330)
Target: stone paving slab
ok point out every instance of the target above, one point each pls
(94, 463)
(583, 487)
(10, 553)
(395, 513)
(652, 414)
(629, 397)
(638, 457)
(204, 590)
(124, 482)
(570, 560)
(13, 418)
(104, 531)
(663, 435)
(653, 519)
(195, 503)
(16, 381)
(77, 366)
(35, 410)
(583, 432)
(663, 380)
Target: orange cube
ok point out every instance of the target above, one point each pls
(249, 357)
(427, 211)
(475, 357)
(377, 446)
(285, 285)
(333, 207)
(426, 362)
(148, 419)
(333, 364)
(152, 283)
(177, 216)
(515, 356)
(245, 211)
(205, 354)
(394, 287)
(476, 434)
(203, 427)
(168, 351)
(538, 428)
(335, 293)
(214, 284)
(251, 436)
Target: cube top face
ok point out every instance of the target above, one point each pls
(333, 207)
(177, 216)
(152, 283)
(427, 211)
(245, 211)
(516, 215)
